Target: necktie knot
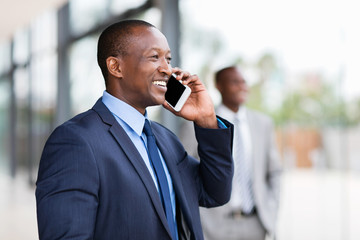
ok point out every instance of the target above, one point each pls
(147, 129)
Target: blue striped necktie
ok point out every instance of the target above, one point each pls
(161, 177)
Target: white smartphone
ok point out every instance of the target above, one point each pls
(176, 93)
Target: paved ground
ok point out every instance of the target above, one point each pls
(17, 209)
(320, 205)
(316, 205)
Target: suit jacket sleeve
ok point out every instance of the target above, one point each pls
(67, 187)
(216, 165)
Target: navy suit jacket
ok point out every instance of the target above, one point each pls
(93, 184)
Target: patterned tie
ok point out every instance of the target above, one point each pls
(242, 174)
(161, 177)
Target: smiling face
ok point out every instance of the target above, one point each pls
(144, 69)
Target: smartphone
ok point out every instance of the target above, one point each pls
(176, 93)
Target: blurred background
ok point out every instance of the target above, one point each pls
(300, 59)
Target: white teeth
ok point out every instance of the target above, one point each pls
(160, 83)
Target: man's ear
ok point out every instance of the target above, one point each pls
(113, 66)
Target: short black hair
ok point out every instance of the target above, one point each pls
(219, 73)
(114, 41)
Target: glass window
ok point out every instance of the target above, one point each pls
(86, 81)
(21, 46)
(4, 57)
(86, 14)
(44, 62)
(21, 80)
(44, 32)
(153, 16)
(43, 84)
(43, 90)
(4, 123)
(120, 6)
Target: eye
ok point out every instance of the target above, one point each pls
(155, 56)
(168, 59)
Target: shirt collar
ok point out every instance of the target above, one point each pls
(241, 113)
(228, 114)
(128, 114)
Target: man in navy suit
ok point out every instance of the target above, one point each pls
(96, 179)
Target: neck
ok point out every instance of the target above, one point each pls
(233, 107)
(122, 97)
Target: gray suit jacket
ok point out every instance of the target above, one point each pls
(266, 174)
(266, 169)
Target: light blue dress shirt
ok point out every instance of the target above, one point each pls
(132, 121)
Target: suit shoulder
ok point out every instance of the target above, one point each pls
(83, 118)
(77, 125)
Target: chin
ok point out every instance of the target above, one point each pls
(158, 101)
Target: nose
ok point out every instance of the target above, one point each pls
(165, 68)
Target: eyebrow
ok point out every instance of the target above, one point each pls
(159, 50)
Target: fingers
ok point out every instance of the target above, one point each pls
(184, 76)
(180, 74)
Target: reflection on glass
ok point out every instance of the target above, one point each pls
(86, 14)
(86, 81)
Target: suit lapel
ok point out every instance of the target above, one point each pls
(133, 156)
(168, 156)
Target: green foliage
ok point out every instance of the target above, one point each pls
(256, 99)
(321, 107)
(314, 103)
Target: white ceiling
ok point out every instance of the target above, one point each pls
(15, 14)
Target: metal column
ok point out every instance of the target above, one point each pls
(63, 111)
(12, 142)
(170, 26)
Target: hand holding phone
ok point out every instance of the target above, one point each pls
(176, 93)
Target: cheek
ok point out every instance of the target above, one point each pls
(239, 95)
(234, 90)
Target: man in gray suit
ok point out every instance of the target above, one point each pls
(252, 210)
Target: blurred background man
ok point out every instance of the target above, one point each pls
(252, 210)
